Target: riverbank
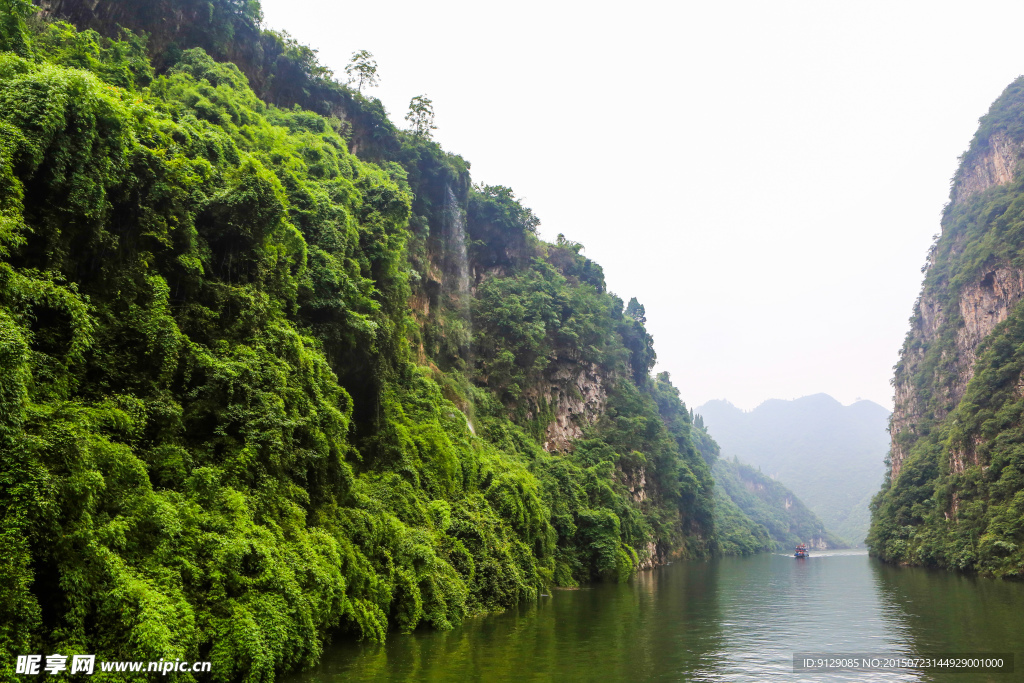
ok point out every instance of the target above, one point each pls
(733, 618)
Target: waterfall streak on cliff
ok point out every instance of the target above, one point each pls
(456, 237)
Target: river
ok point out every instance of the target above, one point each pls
(729, 619)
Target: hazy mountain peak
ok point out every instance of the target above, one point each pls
(830, 454)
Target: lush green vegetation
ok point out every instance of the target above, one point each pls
(244, 406)
(772, 505)
(972, 518)
(957, 502)
(737, 532)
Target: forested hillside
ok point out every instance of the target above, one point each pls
(753, 512)
(737, 532)
(954, 496)
(273, 368)
(831, 455)
(773, 506)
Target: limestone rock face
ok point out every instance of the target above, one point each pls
(636, 482)
(982, 304)
(993, 166)
(653, 559)
(577, 393)
(818, 543)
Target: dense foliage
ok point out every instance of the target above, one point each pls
(280, 70)
(958, 501)
(773, 506)
(737, 533)
(970, 517)
(256, 389)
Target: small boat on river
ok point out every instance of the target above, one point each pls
(801, 551)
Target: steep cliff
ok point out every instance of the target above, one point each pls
(271, 373)
(950, 498)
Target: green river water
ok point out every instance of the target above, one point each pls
(731, 619)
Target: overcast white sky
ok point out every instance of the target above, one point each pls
(765, 177)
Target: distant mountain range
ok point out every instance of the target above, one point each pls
(754, 513)
(830, 455)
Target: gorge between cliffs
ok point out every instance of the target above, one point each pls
(284, 389)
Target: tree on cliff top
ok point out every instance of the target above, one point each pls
(421, 116)
(362, 70)
(636, 311)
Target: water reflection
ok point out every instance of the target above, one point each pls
(775, 606)
(660, 624)
(733, 619)
(942, 612)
